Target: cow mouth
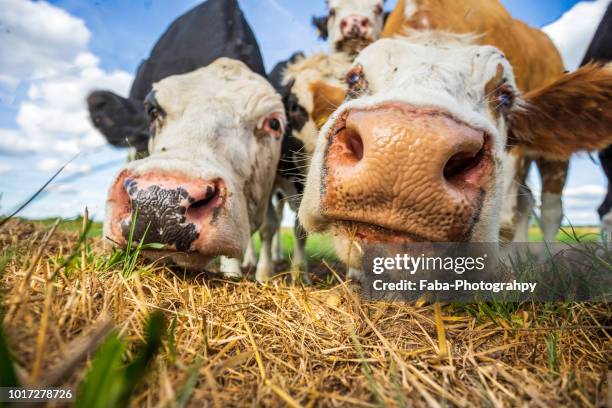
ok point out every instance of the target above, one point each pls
(367, 233)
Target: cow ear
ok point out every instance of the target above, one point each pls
(321, 24)
(573, 113)
(325, 100)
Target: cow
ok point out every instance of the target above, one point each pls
(215, 142)
(415, 150)
(600, 50)
(213, 29)
(535, 65)
(350, 25)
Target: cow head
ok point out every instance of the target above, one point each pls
(350, 25)
(215, 145)
(414, 152)
(122, 121)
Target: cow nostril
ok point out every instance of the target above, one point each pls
(355, 144)
(349, 146)
(460, 164)
(364, 23)
(209, 196)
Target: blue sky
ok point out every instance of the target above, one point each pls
(62, 48)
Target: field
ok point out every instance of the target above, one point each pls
(120, 331)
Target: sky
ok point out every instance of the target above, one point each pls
(53, 53)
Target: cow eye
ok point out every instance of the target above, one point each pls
(378, 10)
(152, 107)
(152, 112)
(273, 125)
(504, 99)
(332, 13)
(353, 79)
(356, 82)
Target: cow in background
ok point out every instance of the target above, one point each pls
(350, 25)
(289, 183)
(600, 50)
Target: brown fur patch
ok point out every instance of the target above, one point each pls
(326, 99)
(554, 174)
(535, 59)
(572, 114)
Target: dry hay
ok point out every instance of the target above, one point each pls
(290, 345)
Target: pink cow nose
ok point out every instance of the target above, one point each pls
(355, 26)
(170, 209)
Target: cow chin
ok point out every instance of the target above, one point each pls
(352, 45)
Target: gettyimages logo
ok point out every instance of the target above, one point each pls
(412, 264)
(470, 272)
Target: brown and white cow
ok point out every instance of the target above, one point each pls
(416, 150)
(536, 63)
(214, 148)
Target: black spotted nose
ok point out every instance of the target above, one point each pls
(169, 210)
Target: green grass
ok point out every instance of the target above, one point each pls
(568, 234)
(73, 224)
(318, 246)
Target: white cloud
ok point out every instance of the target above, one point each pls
(13, 142)
(59, 72)
(65, 189)
(38, 39)
(589, 190)
(5, 168)
(52, 165)
(573, 32)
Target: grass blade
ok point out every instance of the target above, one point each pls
(103, 384)
(139, 367)
(8, 376)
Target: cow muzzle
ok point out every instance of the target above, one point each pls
(179, 212)
(398, 173)
(355, 27)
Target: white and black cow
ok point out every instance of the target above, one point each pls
(213, 29)
(215, 142)
(414, 152)
(600, 50)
